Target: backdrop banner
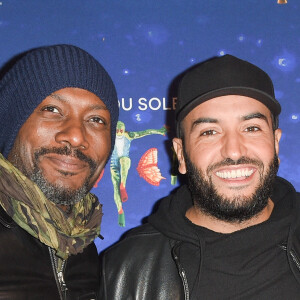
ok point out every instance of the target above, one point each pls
(145, 45)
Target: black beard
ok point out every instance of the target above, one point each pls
(239, 208)
(58, 194)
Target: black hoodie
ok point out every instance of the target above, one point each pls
(259, 262)
(245, 264)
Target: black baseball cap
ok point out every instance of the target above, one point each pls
(220, 76)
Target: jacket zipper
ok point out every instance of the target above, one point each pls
(295, 259)
(182, 274)
(293, 255)
(58, 275)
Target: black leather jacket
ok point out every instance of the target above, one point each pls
(26, 268)
(145, 265)
(141, 267)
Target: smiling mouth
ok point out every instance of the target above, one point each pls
(235, 174)
(67, 165)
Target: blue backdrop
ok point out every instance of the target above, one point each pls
(144, 46)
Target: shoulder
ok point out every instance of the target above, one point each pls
(143, 249)
(145, 230)
(136, 235)
(143, 256)
(136, 243)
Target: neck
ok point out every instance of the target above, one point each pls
(196, 216)
(65, 208)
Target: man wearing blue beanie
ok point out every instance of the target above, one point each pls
(58, 115)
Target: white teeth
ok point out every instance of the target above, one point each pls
(235, 173)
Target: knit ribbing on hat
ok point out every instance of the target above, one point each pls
(43, 71)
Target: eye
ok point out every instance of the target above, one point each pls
(97, 120)
(50, 109)
(208, 132)
(252, 129)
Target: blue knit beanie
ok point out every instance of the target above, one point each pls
(43, 71)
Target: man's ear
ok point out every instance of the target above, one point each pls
(277, 137)
(178, 148)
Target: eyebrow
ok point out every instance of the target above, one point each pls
(256, 115)
(203, 120)
(64, 99)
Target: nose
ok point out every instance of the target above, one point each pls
(72, 133)
(233, 146)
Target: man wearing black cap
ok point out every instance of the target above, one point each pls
(58, 116)
(233, 232)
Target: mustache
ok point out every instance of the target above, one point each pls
(66, 151)
(230, 162)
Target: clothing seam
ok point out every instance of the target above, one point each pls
(55, 274)
(181, 271)
(104, 277)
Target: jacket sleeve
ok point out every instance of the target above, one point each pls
(140, 267)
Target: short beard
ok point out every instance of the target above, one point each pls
(56, 193)
(232, 210)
